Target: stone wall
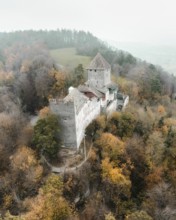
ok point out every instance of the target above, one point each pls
(112, 107)
(98, 78)
(66, 114)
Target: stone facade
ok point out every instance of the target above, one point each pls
(83, 104)
(66, 113)
(98, 78)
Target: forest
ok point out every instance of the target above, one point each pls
(131, 170)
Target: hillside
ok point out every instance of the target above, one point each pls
(130, 172)
(163, 55)
(69, 58)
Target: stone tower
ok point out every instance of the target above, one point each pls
(99, 72)
(68, 110)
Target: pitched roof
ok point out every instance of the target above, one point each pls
(84, 88)
(103, 90)
(99, 63)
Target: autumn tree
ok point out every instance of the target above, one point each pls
(11, 126)
(44, 112)
(94, 207)
(150, 85)
(110, 146)
(49, 203)
(96, 127)
(113, 174)
(8, 216)
(155, 176)
(61, 84)
(160, 203)
(79, 77)
(26, 171)
(116, 185)
(155, 148)
(169, 156)
(109, 216)
(140, 169)
(121, 124)
(33, 81)
(138, 215)
(22, 179)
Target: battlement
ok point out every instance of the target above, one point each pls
(60, 107)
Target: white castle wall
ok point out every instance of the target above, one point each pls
(89, 112)
(111, 96)
(112, 107)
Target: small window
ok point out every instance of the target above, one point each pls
(95, 70)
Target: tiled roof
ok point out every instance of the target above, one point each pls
(99, 63)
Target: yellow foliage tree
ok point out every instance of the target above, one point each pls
(6, 76)
(8, 216)
(169, 122)
(44, 112)
(59, 87)
(138, 215)
(26, 171)
(161, 110)
(24, 159)
(109, 216)
(49, 204)
(110, 146)
(114, 174)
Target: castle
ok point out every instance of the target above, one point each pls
(83, 104)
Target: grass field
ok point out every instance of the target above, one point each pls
(68, 58)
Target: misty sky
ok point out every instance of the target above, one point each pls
(118, 20)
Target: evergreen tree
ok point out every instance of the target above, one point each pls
(46, 136)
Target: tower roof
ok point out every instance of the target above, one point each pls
(99, 62)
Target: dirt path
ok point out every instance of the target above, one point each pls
(66, 168)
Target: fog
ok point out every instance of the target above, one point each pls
(148, 25)
(136, 21)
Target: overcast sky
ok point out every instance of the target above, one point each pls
(118, 20)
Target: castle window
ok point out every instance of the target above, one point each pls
(90, 70)
(95, 70)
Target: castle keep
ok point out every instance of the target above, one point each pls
(83, 104)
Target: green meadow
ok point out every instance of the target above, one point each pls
(68, 57)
